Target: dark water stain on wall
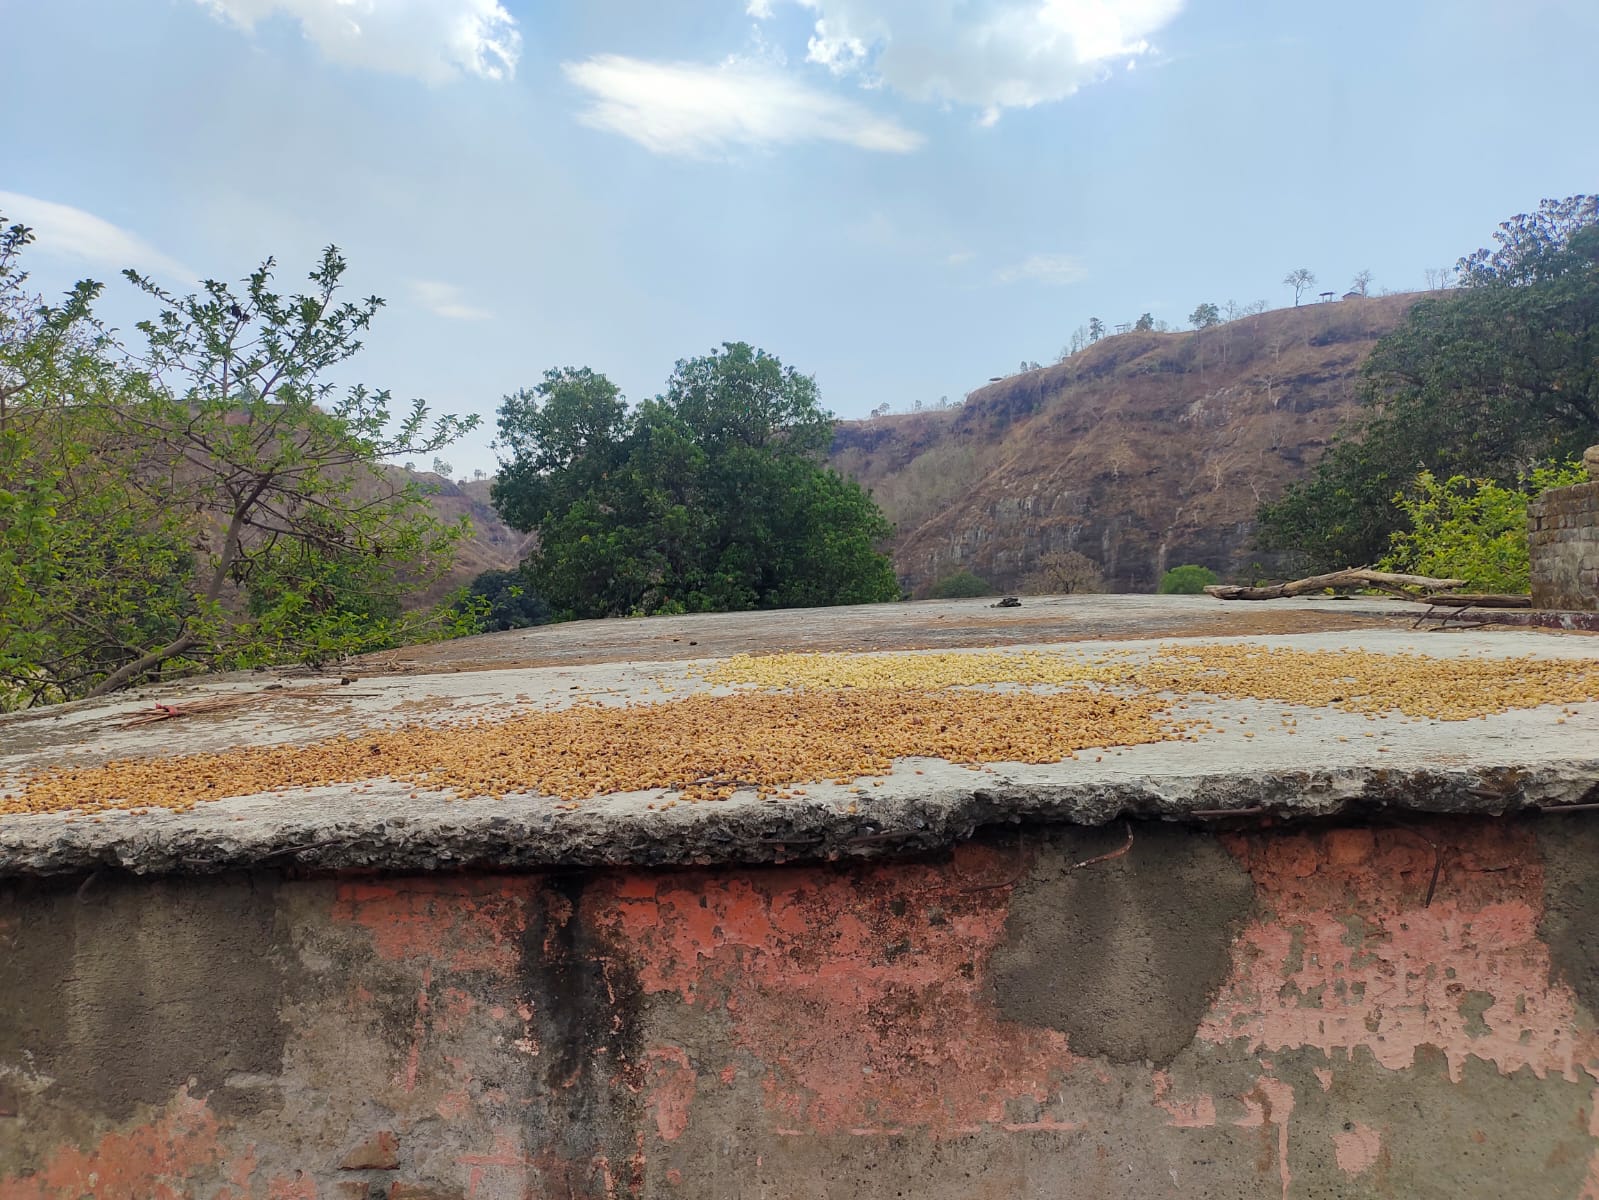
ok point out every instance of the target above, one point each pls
(587, 1022)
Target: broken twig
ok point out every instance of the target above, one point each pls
(1116, 853)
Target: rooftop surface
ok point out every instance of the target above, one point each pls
(808, 734)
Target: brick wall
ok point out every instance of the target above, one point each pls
(1563, 530)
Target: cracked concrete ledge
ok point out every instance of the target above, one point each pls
(395, 832)
(1340, 764)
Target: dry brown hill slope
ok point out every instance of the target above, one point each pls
(1144, 451)
(493, 546)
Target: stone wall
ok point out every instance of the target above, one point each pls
(1134, 1011)
(1563, 532)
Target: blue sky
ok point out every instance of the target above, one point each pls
(902, 197)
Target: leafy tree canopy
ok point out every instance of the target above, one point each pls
(1190, 579)
(1471, 529)
(962, 585)
(710, 497)
(497, 600)
(210, 501)
(1485, 382)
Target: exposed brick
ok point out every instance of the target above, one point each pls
(1563, 542)
(379, 1152)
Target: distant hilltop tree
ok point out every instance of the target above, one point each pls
(1204, 316)
(1301, 280)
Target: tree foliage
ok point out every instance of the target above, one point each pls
(962, 585)
(1204, 316)
(209, 501)
(1190, 579)
(498, 600)
(1471, 529)
(708, 498)
(1485, 382)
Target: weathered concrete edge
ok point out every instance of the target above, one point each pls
(431, 835)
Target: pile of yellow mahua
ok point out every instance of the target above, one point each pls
(804, 718)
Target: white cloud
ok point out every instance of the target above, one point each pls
(761, 10)
(431, 40)
(1054, 269)
(700, 111)
(988, 54)
(446, 300)
(69, 232)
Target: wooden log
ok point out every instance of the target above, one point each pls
(1353, 578)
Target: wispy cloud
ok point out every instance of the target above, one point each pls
(989, 54)
(702, 111)
(432, 40)
(1055, 269)
(69, 232)
(446, 300)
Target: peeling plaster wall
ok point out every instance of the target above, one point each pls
(1276, 1013)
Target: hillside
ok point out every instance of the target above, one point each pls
(1143, 451)
(493, 546)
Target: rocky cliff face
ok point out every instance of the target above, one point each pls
(1144, 451)
(493, 546)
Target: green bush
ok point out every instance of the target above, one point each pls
(1471, 529)
(499, 600)
(960, 586)
(1186, 580)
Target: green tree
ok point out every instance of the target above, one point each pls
(962, 585)
(1190, 579)
(1471, 529)
(210, 502)
(710, 497)
(87, 561)
(1096, 329)
(1485, 381)
(497, 600)
(1145, 323)
(1204, 316)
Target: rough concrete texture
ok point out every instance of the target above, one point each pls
(1377, 979)
(824, 1030)
(1332, 762)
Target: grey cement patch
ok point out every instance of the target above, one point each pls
(1570, 925)
(1124, 955)
(122, 991)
